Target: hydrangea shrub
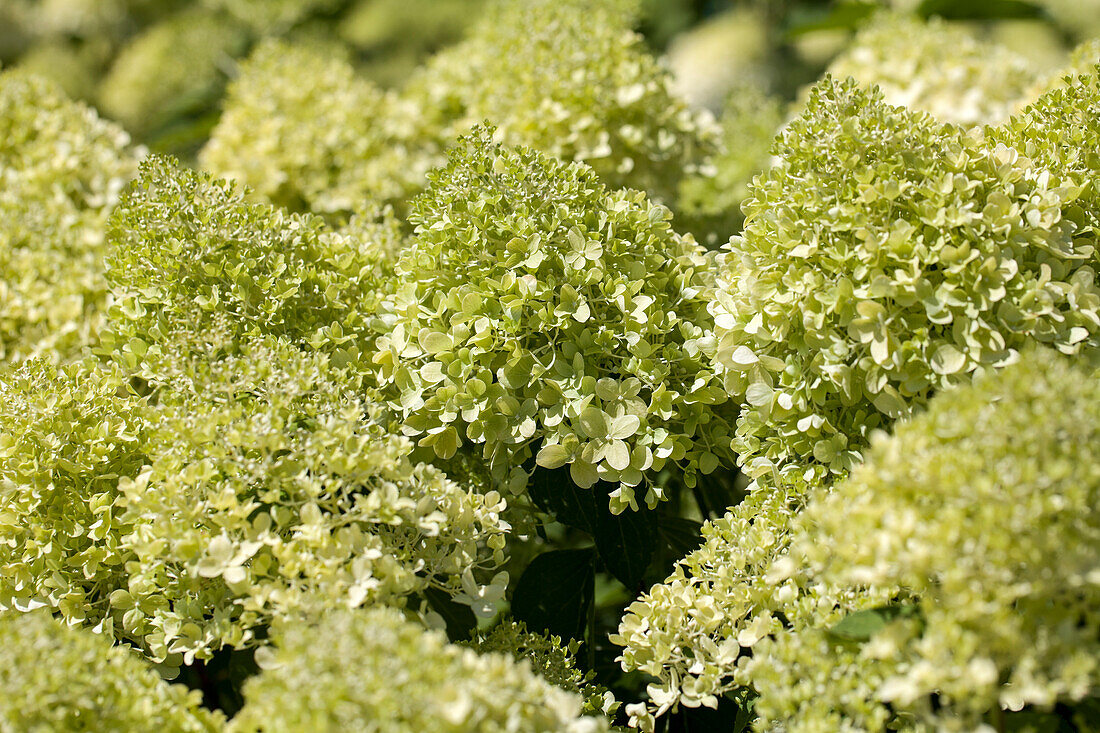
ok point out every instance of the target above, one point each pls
(302, 129)
(68, 435)
(885, 257)
(391, 675)
(694, 632)
(906, 331)
(984, 509)
(538, 312)
(57, 678)
(273, 491)
(571, 79)
(62, 169)
(197, 269)
(933, 66)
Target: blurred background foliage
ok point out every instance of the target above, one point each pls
(161, 67)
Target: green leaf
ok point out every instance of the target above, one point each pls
(553, 456)
(624, 426)
(862, 625)
(979, 9)
(626, 542)
(859, 626)
(594, 422)
(681, 536)
(554, 492)
(556, 592)
(844, 16)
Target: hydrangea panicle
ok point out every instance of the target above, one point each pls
(538, 310)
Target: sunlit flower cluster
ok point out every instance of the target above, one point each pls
(272, 492)
(198, 270)
(62, 679)
(67, 435)
(886, 257)
(537, 312)
(62, 169)
(375, 671)
(983, 508)
(571, 79)
(938, 68)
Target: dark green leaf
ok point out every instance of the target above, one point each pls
(1086, 713)
(554, 492)
(681, 536)
(1033, 721)
(979, 9)
(460, 619)
(626, 543)
(556, 592)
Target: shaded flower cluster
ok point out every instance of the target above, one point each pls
(554, 660)
(302, 129)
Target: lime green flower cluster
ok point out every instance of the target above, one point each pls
(984, 508)
(709, 203)
(71, 69)
(1057, 133)
(886, 257)
(173, 69)
(554, 661)
(537, 309)
(198, 270)
(62, 169)
(273, 492)
(61, 679)
(269, 491)
(67, 434)
(1082, 61)
(919, 255)
(569, 78)
(260, 480)
(694, 632)
(303, 130)
(938, 68)
(375, 671)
